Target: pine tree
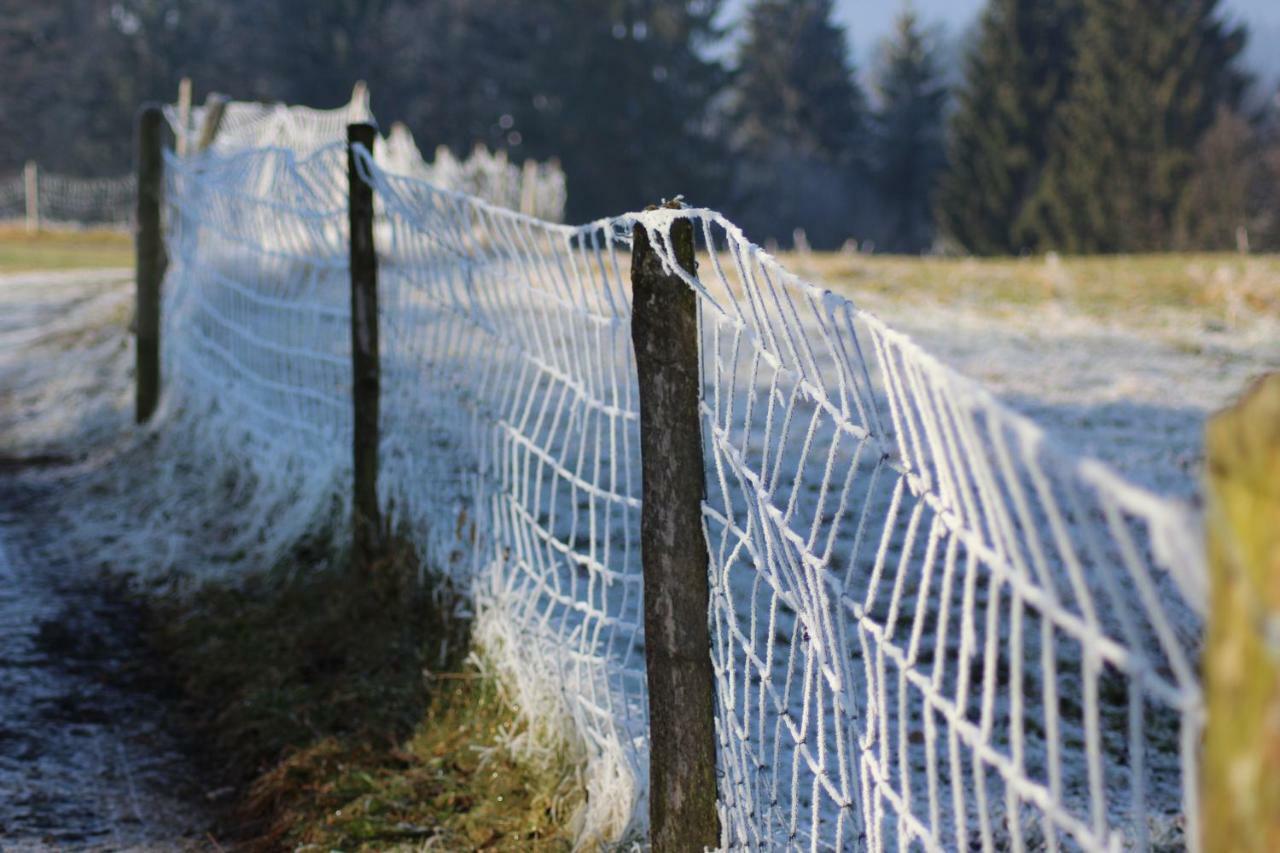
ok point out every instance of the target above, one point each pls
(799, 123)
(621, 92)
(1149, 79)
(1221, 200)
(909, 150)
(1016, 75)
(795, 85)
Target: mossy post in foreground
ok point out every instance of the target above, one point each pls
(682, 743)
(149, 260)
(1241, 778)
(365, 370)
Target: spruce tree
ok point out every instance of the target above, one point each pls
(621, 92)
(799, 123)
(908, 150)
(1016, 75)
(1149, 79)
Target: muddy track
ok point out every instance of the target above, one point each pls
(92, 755)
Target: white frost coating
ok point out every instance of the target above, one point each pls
(930, 625)
(537, 189)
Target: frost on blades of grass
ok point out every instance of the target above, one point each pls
(352, 717)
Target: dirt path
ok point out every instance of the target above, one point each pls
(91, 754)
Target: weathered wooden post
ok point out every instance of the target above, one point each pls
(31, 189)
(682, 743)
(365, 378)
(215, 106)
(183, 141)
(1241, 778)
(149, 260)
(529, 188)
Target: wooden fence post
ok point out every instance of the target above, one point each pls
(529, 188)
(215, 106)
(1241, 778)
(31, 189)
(149, 260)
(365, 379)
(183, 142)
(682, 742)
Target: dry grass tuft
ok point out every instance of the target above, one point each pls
(348, 715)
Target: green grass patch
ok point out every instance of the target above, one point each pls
(61, 250)
(342, 707)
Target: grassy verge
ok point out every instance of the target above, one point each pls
(1096, 286)
(57, 250)
(346, 716)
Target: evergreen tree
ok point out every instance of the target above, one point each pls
(1222, 201)
(1149, 79)
(909, 150)
(798, 119)
(1016, 75)
(621, 91)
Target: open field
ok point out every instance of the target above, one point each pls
(1217, 287)
(1121, 358)
(60, 250)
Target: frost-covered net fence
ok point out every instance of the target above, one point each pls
(930, 626)
(247, 124)
(63, 201)
(535, 188)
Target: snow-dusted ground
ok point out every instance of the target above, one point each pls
(1133, 391)
(89, 755)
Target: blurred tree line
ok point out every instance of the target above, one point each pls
(1077, 125)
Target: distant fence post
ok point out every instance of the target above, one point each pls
(529, 188)
(215, 106)
(682, 743)
(149, 259)
(183, 142)
(31, 189)
(1241, 778)
(365, 370)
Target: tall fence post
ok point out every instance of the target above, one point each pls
(682, 743)
(1241, 779)
(31, 189)
(149, 260)
(365, 378)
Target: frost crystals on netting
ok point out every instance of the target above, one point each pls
(930, 627)
(510, 429)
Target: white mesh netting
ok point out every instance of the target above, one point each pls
(246, 125)
(930, 626)
(537, 189)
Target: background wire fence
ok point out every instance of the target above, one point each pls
(64, 201)
(930, 626)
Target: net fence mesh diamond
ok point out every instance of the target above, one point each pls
(931, 627)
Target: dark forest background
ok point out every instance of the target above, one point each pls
(1069, 125)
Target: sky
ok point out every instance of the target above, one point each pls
(869, 21)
